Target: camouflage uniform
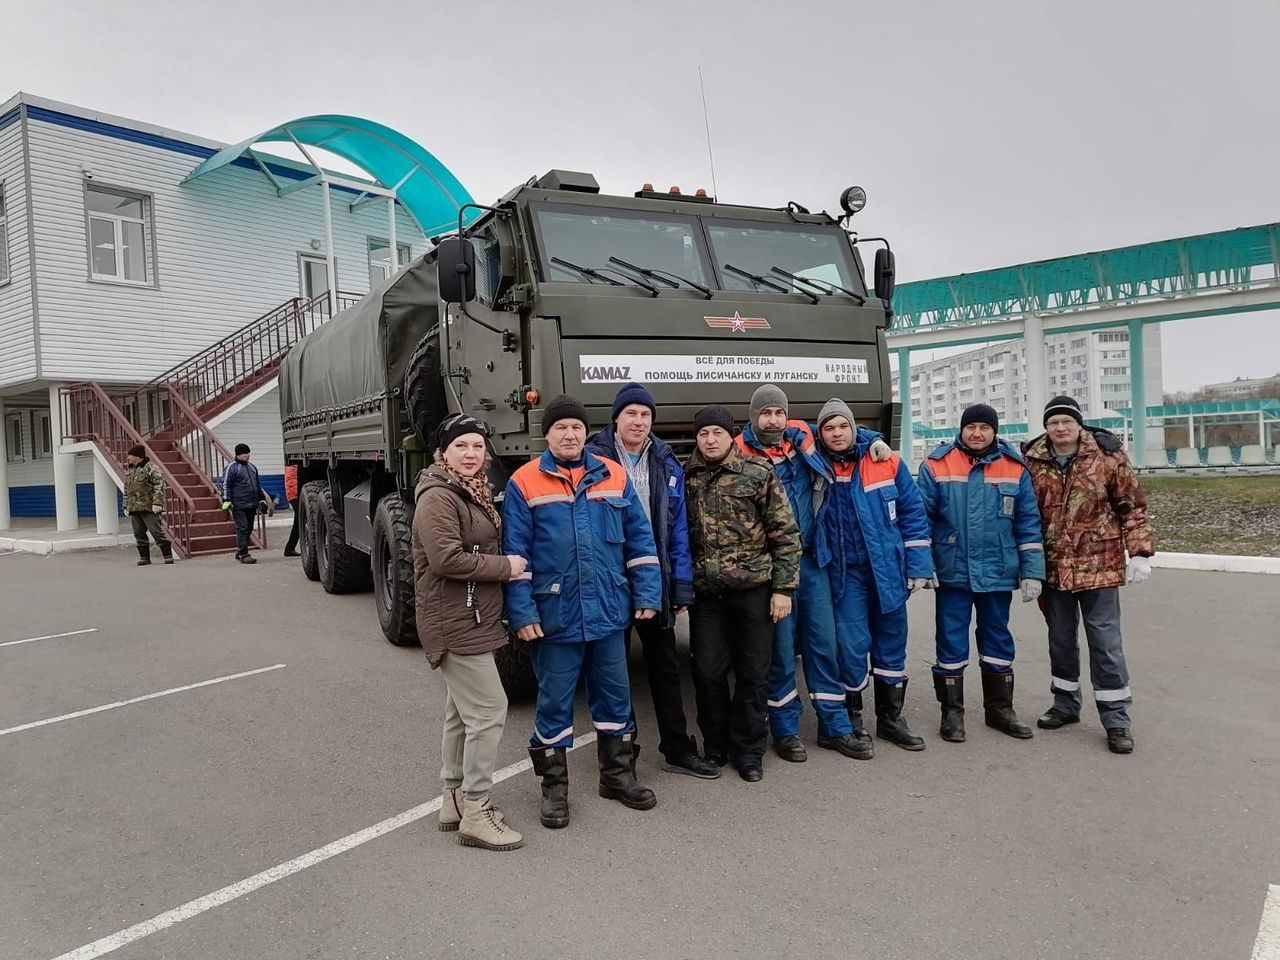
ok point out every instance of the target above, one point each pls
(746, 547)
(1093, 512)
(143, 502)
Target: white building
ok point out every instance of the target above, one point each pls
(113, 269)
(1243, 387)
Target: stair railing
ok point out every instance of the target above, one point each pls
(89, 414)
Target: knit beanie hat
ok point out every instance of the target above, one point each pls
(713, 415)
(1063, 405)
(138, 450)
(980, 413)
(241, 448)
(629, 394)
(564, 407)
(835, 407)
(458, 425)
(767, 395)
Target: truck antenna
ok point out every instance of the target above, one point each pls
(707, 124)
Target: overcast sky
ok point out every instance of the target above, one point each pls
(985, 133)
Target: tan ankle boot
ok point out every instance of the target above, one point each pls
(482, 826)
(450, 809)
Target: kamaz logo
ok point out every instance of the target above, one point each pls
(605, 374)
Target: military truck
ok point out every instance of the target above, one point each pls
(558, 288)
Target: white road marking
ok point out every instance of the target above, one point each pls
(52, 636)
(1267, 946)
(194, 908)
(125, 703)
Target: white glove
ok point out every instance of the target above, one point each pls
(879, 450)
(1030, 589)
(919, 583)
(1139, 569)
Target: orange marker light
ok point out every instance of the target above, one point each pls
(647, 188)
(531, 397)
(700, 192)
(675, 190)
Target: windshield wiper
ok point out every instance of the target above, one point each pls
(766, 282)
(587, 271)
(662, 276)
(826, 286)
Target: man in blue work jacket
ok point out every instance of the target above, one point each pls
(592, 567)
(986, 542)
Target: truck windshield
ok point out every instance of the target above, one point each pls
(589, 236)
(817, 253)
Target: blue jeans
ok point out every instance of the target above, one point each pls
(558, 666)
(811, 632)
(1108, 671)
(953, 610)
(862, 630)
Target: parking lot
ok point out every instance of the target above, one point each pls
(226, 811)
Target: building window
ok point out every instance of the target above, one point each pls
(380, 259)
(119, 235)
(13, 438)
(41, 435)
(4, 241)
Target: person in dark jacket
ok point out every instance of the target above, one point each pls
(242, 494)
(659, 482)
(144, 503)
(291, 495)
(459, 570)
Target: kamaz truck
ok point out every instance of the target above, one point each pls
(558, 288)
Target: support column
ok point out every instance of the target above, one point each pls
(906, 443)
(391, 233)
(64, 467)
(1138, 393)
(105, 508)
(1262, 437)
(5, 521)
(330, 259)
(1036, 369)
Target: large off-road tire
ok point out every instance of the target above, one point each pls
(515, 668)
(307, 508)
(424, 398)
(342, 569)
(392, 565)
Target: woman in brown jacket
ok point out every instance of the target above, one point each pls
(458, 574)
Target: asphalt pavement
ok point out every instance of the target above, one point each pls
(1051, 848)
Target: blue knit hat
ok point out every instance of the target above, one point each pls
(629, 394)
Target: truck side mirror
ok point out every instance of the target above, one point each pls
(885, 274)
(456, 270)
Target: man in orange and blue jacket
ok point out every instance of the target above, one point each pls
(986, 542)
(592, 568)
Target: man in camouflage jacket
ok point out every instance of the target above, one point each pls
(1093, 513)
(144, 503)
(746, 566)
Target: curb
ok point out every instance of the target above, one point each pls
(93, 541)
(1222, 563)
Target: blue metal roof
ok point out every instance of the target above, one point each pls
(424, 186)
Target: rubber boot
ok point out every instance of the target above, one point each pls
(552, 766)
(997, 697)
(450, 809)
(166, 551)
(853, 705)
(950, 693)
(144, 555)
(483, 826)
(617, 781)
(889, 723)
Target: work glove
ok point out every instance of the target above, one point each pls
(157, 508)
(879, 450)
(226, 505)
(1030, 589)
(920, 583)
(1139, 569)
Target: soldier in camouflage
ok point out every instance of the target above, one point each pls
(144, 503)
(746, 566)
(1093, 512)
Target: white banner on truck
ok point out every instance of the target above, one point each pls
(700, 368)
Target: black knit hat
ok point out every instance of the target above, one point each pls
(458, 425)
(713, 415)
(241, 448)
(980, 413)
(138, 450)
(629, 394)
(564, 407)
(1063, 405)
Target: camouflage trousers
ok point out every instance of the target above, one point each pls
(1108, 672)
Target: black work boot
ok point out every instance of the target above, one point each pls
(552, 767)
(849, 745)
(997, 700)
(166, 551)
(889, 723)
(853, 706)
(790, 748)
(690, 763)
(950, 693)
(144, 556)
(1120, 740)
(1053, 719)
(617, 780)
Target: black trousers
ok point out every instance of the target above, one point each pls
(292, 545)
(662, 663)
(732, 631)
(244, 518)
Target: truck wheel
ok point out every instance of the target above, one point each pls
(424, 397)
(307, 510)
(392, 565)
(342, 569)
(515, 668)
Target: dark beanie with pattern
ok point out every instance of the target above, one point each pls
(1063, 405)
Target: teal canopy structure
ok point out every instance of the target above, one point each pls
(397, 166)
